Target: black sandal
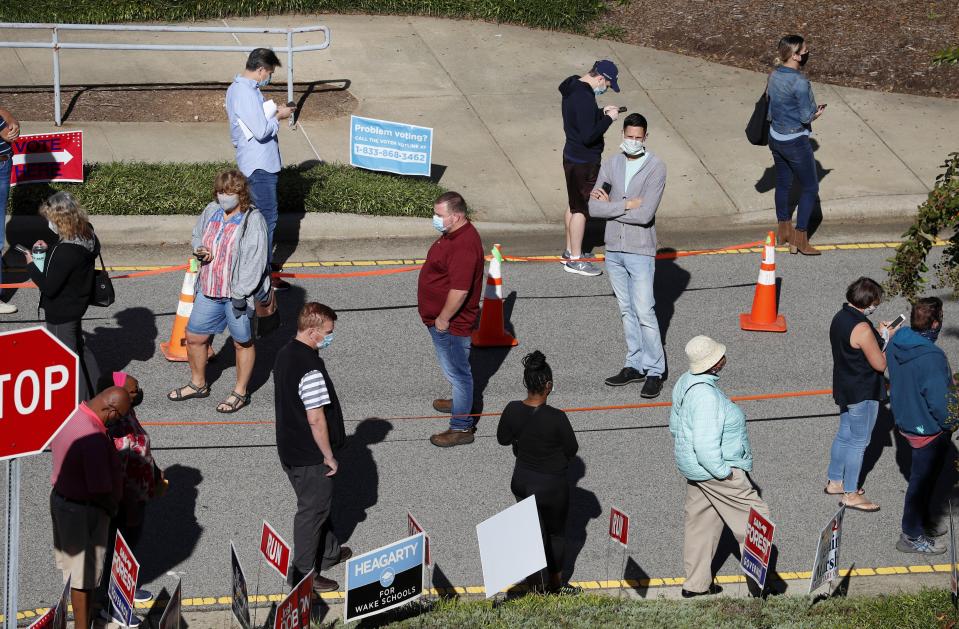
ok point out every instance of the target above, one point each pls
(176, 395)
(232, 407)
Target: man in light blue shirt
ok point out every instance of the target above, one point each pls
(254, 134)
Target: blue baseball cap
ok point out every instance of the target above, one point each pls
(609, 70)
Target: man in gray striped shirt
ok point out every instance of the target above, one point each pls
(309, 429)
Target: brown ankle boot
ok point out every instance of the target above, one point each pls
(801, 243)
(784, 235)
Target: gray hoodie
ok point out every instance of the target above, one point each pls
(249, 276)
(630, 231)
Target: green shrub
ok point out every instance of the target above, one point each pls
(947, 56)
(553, 14)
(139, 188)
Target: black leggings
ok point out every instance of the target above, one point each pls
(552, 502)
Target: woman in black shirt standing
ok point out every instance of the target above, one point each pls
(544, 443)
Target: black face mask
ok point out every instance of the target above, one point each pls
(137, 398)
(803, 59)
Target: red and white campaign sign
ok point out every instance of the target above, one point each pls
(295, 610)
(274, 549)
(42, 157)
(123, 579)
(759, 536)
(619, 526)
(38, 390)
(414, 528)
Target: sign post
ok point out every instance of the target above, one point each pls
(757, 547)
(296, 609)
(413, 527)
(241, 594)
(619, 535)
(384, 578)
(174, 608)
(825, 566)
(274, 549)
(123, 580)
(39, 388)
(954, 567)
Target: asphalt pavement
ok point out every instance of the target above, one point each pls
(226, 479)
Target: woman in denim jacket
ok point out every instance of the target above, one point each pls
(792, 108)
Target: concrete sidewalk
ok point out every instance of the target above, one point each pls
(490, 92)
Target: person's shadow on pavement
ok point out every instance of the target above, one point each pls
(171, 531)
(357, 478)
(133, 339)
(583, 507)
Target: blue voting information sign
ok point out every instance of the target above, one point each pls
(384, 578)
(392, 147)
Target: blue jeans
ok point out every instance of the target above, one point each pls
(631, 275)
(923, 473)
(5, 171)
(855, 430)
(453, 355)
(263, 191)
(212, 315)
(795, 158)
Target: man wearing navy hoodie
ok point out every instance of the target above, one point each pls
(920, 380)
(584, 123)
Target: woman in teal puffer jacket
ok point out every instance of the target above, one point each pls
(712, 452)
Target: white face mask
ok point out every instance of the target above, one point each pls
(633, 148)
(53, 227)
(228, 201)
(871, 309)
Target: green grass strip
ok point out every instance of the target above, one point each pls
(138, 188)
(925, 609)
(570, 15)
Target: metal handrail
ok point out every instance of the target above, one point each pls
(56, 45)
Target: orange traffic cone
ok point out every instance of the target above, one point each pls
(492, 331)
(175, 350)
(763, 317)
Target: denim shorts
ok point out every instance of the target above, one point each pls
(212, 315)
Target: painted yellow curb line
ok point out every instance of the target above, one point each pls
(598, 585)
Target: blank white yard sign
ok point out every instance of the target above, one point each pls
(511, 546)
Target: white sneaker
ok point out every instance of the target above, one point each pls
(582, 268)
(6, 308)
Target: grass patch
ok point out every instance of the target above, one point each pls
(134, 188)
(925, 609)
(551, 14)
(947, 56)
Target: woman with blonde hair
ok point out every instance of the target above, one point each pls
(230, 241)
(792, 108)
(65, 279)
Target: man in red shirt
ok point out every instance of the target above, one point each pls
(448, 296)
(87, 487)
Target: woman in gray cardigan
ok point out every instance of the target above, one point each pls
(230, 241)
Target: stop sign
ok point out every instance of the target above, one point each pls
(39, 388)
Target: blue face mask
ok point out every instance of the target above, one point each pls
(438, 224)
(932, 333)
(265, 81)
(326, 341)
(599, 91)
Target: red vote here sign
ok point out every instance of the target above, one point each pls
(274, 549)
(619, 526)
(42, 157)
(38, 390)
(414, 528)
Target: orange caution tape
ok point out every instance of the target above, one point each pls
(333, 276)
(166, 269)
(582, 409)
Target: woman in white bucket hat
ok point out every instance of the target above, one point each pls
(712, 452)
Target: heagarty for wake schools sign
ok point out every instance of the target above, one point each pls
(384, 578)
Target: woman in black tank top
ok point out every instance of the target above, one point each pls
(858, 387)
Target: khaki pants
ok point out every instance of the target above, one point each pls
(709, 505)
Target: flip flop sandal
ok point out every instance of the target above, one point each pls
(861, 506)
(859, 492)
(231, 407)
(177, 395)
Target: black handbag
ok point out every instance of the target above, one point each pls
(757, 129)
(103, 293)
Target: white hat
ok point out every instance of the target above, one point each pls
(703, 353)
